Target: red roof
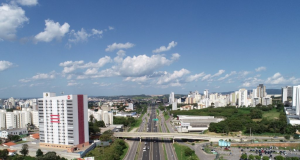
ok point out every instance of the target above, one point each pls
(35, 136)
(9, 144)
(10, 150)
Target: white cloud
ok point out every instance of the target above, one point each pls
(277, 78)
(72, 84)
(82, 35)
(11, 18)
(27, 2)
(115, 46)
(227, 75)
(97, 32)
(111, 28)
(119, 57)
(4, 65)
(172, 77)
(252, 81)
(79, 36)
(137, 79)
(40, 76)
(70, 66)
(221, 71)
(141, 65)
(91, 71)
(244, 73)
(206, 77)
(163, 48)
(52, 31)
(195, 77)
(262, 68)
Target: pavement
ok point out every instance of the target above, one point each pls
(133, 146)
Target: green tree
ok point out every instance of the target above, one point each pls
(265, 158)
(287, 137)
(39, 153)
(251, 157)
(279, 158)
(188, 152)
(24, 151)
(257, 157)
(91, 118)
(244, 156)
(100, 123)
(4, 154)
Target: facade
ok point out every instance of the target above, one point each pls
(171, 98)
(174, 106)
(2, 119)
(261, 91)
(63, 121)
(286, 92)
(15, 131)
(11, 120)
(296, 99)
(35, 118)
(243, 98)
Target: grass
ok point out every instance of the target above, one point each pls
(137, 124)
(166, 116)
(167, 127)
(138, 151)
(166, 157)
(179, 149)
(271, 115)
(20, 142)
(124, 151)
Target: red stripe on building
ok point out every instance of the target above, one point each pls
(80, 118)
(54, 121)
(54, 118)
(54, 115)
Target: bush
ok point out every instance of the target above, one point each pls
(287, 137)
(188, 152)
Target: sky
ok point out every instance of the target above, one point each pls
(154, 47)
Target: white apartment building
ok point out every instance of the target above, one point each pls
(11, 120)
(296, 99)
(171, 98)
(63, 121)
(35, 118)
(2, 119)
(243, 98)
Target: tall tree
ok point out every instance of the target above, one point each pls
(39, 153)
(24, 151)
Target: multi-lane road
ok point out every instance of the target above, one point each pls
(151, 145)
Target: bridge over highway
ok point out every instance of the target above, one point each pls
(183, 136)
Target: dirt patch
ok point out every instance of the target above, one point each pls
(267, 145)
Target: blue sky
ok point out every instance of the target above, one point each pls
(146, 47)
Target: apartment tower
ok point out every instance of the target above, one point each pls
(63, 121)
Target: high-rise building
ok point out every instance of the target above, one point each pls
(286, 92)
(63, 121)
(171, 98)
(2, 119)
(12, 101)
(261, 91)
(206, 99)
(296, 99)
(243, 100)
(35, 118)
(11, 120)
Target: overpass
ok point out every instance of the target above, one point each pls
(182, 136)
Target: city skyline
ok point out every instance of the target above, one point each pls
(129, 48)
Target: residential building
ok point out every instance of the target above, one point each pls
(35, 118)
(11, 120)
(171, 98)
(15, 131)
(286, 92)
(243, 98)
(63, 121)
(296, 99)
(2, 119)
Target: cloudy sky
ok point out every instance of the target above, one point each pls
(146, 47)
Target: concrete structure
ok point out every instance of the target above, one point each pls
(296, 99)
(11, 120)
(63, 121)
(35, 118)
(243, 100)
(261, 91)
(187, 123)
(2, 119)
(286, 92)
(171, 98)
(130, 106)
(15, 131)
(174, 106)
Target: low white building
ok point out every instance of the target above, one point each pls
(15, 131)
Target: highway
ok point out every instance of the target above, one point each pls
(152, 143)
(133, 148)
(168, 143)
